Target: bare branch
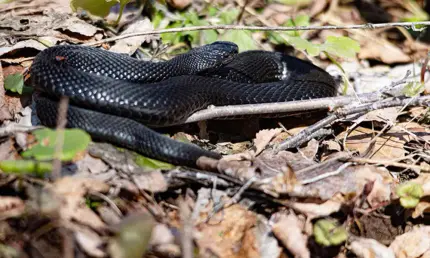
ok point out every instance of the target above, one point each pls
(61, 124)
(278, 107)
(264, 28)
(344, 112)
(297, 106)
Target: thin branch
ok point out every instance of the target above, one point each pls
(61, 124)
(422, 168)
(186, 230)
(330, 103)
(264, 28)
(328, 174)
(344, 112)
(278, 107)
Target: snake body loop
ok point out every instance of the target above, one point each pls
(112, 96)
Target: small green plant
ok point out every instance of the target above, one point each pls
(75, 141)
(21, 167)
(328, 233)
(413, 89)
(338, 46)
(37, 159)
(15, 83)
(99, 8)
(410, 194)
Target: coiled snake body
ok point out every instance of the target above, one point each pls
(112, 96)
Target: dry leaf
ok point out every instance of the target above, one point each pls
(267, 244)
(383, 115)
(310, 151)
(263, 138)
(90, 242)
(382, 50)
(72, 191)
(413, 243)
(225, 236)
(130, 45)
(383, 183)
(387, 147)
(153, 181)
(58, 25)
(420, 209)
(179, 4)
(369, 248)
(289, 230)
(313, 210)
(11, 207)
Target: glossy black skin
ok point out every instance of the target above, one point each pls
(113, 95)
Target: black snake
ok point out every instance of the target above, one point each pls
(112, 95)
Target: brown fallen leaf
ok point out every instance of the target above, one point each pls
(62, 26)
(72, 192)
(382, 184)
(179, 4)
(130, 45)
(382, 50)
(90, 242)
(369, 248)
(387, 146)
(265, 244)
(383, 115)
(288, 228)
(11, 207)
(413, 243)
(313, 210)
(225, 238)
(263, 138)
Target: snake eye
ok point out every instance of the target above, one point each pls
(60, 58)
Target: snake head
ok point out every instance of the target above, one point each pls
(208, 56)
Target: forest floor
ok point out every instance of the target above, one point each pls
(348, 182)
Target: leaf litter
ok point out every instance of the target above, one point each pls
(360, 191)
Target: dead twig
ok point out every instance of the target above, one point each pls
(330, 103)
(61, 124)
(186, 230)
(266, 28)
(421, 168)
(341, 113)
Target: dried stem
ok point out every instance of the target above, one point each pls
(61, 124)
(297, 139)
(264, 28)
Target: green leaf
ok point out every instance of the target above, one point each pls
(75, 141)
(96, 7)
(410, 194)
(300, 20)
(241, 37)
(294, 2)
(190, 19)
(14, 83)
(25, 167)
(229, 16)
(145, 162)
(303, 44)
(413, 89)
(328, 233)
(341, 46)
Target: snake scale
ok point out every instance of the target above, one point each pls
(115, 97)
